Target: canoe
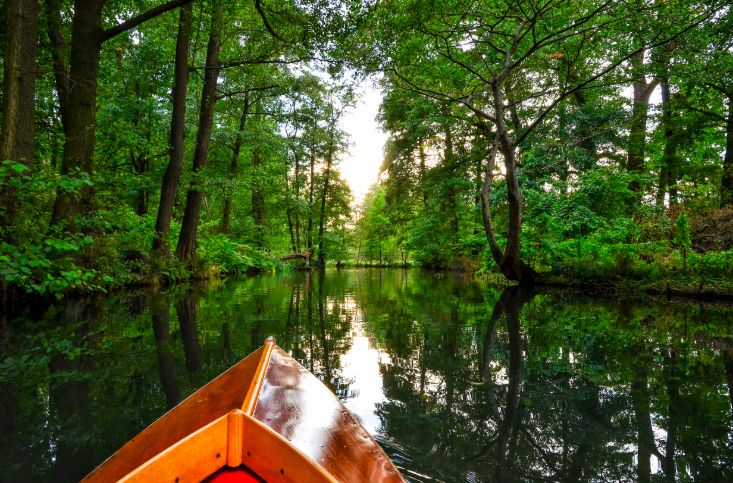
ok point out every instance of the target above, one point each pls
(267, 418)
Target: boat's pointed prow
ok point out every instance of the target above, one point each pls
(265, 419)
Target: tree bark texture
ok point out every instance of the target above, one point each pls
(17, 138)
(141, 165)
(80, 123)
(60, 72)
(177, 136)
(186, 248)
(510, 262)
(289, 215)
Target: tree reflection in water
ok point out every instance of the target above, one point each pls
(473, 383)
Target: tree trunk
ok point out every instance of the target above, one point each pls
(478, 167)
(669, 155)
(178, 123)
(450, 166)
(139, 159)
(310, 203)
(227, 212)
(297, 199)
(258, 198)
(141, 165)
(326, 176)
(511, 263)
(423, 174)
(81, 120)
(289, 214)
(639, 114)
(61, 75)
(289, 205)
(17, 139)
(496, 252)
(726, 185)
(508, 260)
(186, 248)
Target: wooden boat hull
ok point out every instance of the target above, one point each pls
(265, 419)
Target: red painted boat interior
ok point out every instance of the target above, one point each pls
(241, 474)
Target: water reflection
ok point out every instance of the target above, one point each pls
(164, 350)
(459, 381)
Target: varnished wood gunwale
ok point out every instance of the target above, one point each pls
(298, 406)
(253, 393)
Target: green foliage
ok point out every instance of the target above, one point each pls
(276, 145)
(229, 256)
(682, 239)
(48, 267)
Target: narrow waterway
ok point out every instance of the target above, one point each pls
(458, 381)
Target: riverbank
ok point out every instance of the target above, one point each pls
(686, 287)
(654, 268)
(56, 268)
(70, 265)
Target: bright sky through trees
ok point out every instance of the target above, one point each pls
(360, 166)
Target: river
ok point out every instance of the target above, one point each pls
(459, 381)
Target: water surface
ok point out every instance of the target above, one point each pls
(457, 380)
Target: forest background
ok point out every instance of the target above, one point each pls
(575, 142)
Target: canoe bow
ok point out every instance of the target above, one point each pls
(267, 418)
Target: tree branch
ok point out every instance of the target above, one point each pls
(603, 72)
(246, 91)
(137, 20)
(261, 11)
(465, 101)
